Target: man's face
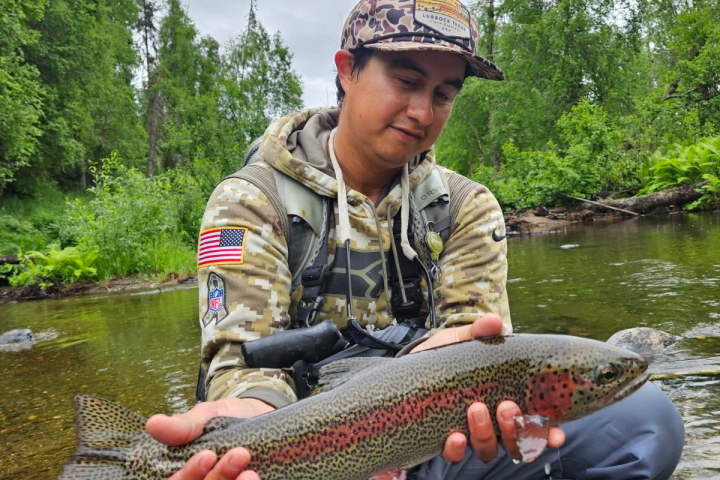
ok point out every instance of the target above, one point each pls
(398, 104)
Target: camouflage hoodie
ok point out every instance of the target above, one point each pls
(249, 295)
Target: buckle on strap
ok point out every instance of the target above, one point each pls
(313, 276)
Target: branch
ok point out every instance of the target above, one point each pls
(602, 205)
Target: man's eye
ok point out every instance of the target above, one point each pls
(442, 96)
(407, 82)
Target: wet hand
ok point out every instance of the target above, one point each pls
(185, 427)
(482, 435)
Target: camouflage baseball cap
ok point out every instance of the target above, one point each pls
(401, 25)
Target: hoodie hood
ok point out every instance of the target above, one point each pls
(297, 145)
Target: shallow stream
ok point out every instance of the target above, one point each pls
(142, 349)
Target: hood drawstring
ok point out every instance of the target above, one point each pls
(344, 233)
(344, 223)
(383, 262)
(409, 252)
(395, 254)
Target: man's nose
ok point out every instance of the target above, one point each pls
(420, 108)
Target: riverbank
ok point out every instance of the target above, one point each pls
(548, 220)
(530, 222)
(119, 285)
(538, 221)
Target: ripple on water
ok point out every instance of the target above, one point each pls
(698, 400)
(704, 330)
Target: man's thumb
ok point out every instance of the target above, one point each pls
(175, 430)
(488, 325)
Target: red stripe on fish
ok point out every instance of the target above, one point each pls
(367, 425)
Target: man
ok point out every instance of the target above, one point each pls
(401, 65)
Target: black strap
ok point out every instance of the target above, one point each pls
(313, 279)
(444, 224)
(313, 282)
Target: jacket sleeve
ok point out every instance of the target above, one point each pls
(243, 299)
(473, 265)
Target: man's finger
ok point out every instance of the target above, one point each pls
(454, 450)
(249, 476)
(506, 413)
(230, 465)
(197, 467)
(482, 434)
(487, 326)
(556, 437)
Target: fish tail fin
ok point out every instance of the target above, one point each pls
(105, 433)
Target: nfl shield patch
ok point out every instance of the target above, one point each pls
(216, 300)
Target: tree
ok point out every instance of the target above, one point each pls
(685, 39)
(153, 93)
(21, 92)
(85, 57)
(555, 54)
(259, 81)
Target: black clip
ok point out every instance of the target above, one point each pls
(313, 276)
(314, 309)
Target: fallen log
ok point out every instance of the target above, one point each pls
(665, 198)
(9, 260)
(604, 205)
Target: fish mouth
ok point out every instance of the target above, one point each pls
(626, 390)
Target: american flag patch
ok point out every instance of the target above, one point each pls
(222, 246)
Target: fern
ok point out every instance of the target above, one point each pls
(688, 166)
(45, 269)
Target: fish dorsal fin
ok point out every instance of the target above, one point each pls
(337, 373)
(221, 423)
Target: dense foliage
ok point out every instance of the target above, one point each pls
(117, 118)
(597, 92)
(95, 95)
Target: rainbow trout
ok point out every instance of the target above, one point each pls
(376, 414)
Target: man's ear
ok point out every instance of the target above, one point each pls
(344, 62)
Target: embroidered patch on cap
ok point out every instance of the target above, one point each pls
(449, 17)
(222, 246)
(216, 300)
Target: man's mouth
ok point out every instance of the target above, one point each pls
(410, 133)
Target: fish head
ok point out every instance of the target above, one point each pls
(580, 377)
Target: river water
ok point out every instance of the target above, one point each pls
(142, 350)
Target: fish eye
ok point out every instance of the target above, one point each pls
(607, 374)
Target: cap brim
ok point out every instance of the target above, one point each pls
(477, 65)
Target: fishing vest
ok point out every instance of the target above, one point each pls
(304, 218)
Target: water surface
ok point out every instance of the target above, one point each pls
(142, 350)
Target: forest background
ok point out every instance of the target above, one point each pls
(117, 119)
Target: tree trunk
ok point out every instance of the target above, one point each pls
(646, 203)
(83, 176)
(154, 112)
(154, 100)
(491, 26)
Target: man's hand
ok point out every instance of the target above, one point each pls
(186, 427)
(482, 436)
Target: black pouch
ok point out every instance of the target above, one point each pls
(306, 375)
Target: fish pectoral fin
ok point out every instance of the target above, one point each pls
(221, 423)
(531, 432)
(336, 373)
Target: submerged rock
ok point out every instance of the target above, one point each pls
(643, 340)
(21, 335)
